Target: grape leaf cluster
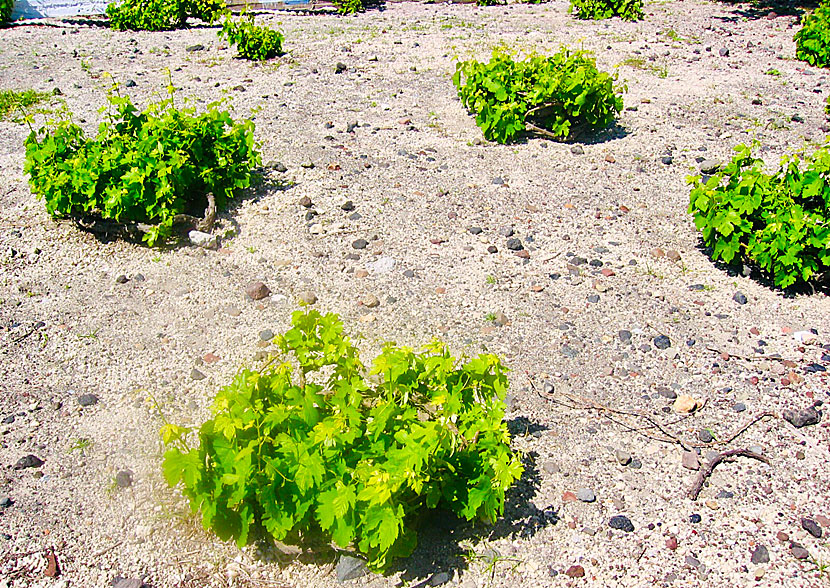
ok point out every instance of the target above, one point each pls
(779, 221)
(252, 42)
(314, 448)
(601, 9)
(558, 96)
(142, 166)
(812, 41)
(161, 15)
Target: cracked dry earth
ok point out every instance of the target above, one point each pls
(603, 304)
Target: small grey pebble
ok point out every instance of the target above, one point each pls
(5, 502)
(124, 479)
(760, 555)
(87, 399)
(739, 407)
(723, 52)
(577, 150)
(662, 342)
(739, 298)
(705, 436)
(622, 523)
(196, 375)
(586, 495)
(266, 335)
(360, 243)
(811, 527)
(593, 298)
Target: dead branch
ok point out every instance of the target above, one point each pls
(707, 470)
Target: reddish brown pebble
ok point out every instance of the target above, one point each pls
(671, 543)
(210, 358)
(437, 241)
(753, 380)
(624, 208)
(536, 288)
(782, 536)
(608, 273)
(610, 159)
(524, 254)
(785, 382)
(440, 290)
(575, 572)
(360, 273)
(822, 520)
(724, 356)
(786, 330)
(572, 524)
(657, 253)
(569, 497)
(754, 331)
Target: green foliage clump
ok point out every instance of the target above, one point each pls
(491, 2)
(602, 9)
(161, 15)
(145, 167)
(252, 42)
(314, 450)
(349, 6)
(6, 7)
(812, 42)
(559, 96)
(779, 221)
(11, 100)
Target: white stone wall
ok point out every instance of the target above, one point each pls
(42, 8)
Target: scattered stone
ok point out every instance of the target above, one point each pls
(798, 551)
(124, 479)
(593, 298)
(514, 244)
(575, 571)
(128, 583)
(760, 555)
(5, 502)
(475, 230)
(806, 337)
(28, 461)
(257, 291)
(203, 240)
(690, 460)
(811, 527)
(577, 150)
(569, 496)
(622, 523)
(371, 301)
(439, 579)
(692, 561)
(662, 342)
(196, 47)
(266, 335)
(196, 375)
(667, 160)
(279, 167)
(622, 457)
(739, 298)
(233, 311)
(657, 253)
(725, 494)
(671, 543)
(695, 518)
(723, 52)
(498, 181)
(587, 495)
(666, 392)
(822, 520)
(802, 417)
(500, 318)
(685, 404)
(122, 279)
(551, 467)
(739, 407)
(360, 243)
(710, 166)
(759, 573)
(305, 202)
(782, 536)
(307, 297)
(625, 336)
(87, 399)
(348, 206)
(339, 68)
(350, 568)
(673, 255)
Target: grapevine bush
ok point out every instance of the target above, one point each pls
(252, 42)
(145, 167)
(313, 448)
(812, 41)
(6, 7)
(161, 15)
(779, 221)
(559, 96)
(602, 9)
(349, 6)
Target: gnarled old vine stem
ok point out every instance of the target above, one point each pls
(707, 470)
